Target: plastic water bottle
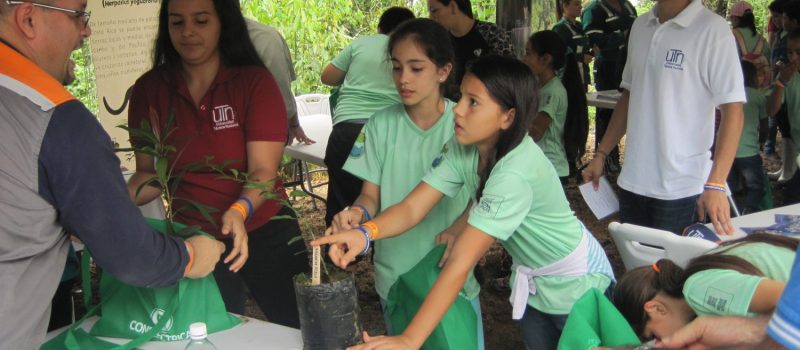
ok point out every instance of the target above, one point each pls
(199, 337)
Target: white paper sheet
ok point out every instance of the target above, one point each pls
(602, 202)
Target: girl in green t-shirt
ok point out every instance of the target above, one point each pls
(394, 150)
(743, 277)
(561, 125)
(518, 201)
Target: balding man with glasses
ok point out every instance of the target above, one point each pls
(58, 172)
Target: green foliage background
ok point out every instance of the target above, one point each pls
(317, 30)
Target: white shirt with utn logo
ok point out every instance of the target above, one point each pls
(677, 72)
(224, 117)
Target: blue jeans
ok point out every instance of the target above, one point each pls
(668, 215)
(749, 169)
(540, 330)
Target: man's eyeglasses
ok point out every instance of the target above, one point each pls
(84, 15)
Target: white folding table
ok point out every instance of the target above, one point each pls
(317, 127)
(758, 219)
(250, 334)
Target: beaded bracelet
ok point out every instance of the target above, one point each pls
(250, 210)
(373, 229)
(715, 188)
(366, 236)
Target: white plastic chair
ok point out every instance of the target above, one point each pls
(642, 246)
(313, 104)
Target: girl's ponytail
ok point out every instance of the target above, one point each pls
(576, 126)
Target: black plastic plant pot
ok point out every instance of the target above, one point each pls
(328, 313)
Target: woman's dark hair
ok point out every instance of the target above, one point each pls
(234, 46)
(747, 20)
(511, 84)
(640, 285)
(719, 260)
(750, 74)
(560, 7)
(576, 125)
(463, 5)
(791, 9)
(431, 37)
(776, 6)
(392, 17)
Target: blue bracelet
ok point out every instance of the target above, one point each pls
(366, 236)
(250, 209)
(366, 213)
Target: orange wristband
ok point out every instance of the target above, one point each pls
(191, 258)
(240, 208)
(373, 229)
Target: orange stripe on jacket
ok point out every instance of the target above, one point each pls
(20, 68)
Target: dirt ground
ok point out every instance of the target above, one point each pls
(500, 331)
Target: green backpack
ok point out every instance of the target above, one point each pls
(144, 314)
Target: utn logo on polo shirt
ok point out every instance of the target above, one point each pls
(224, 117)
(674, 59)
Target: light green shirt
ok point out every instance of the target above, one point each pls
(728, 292)
(553, 102)
(368, 86)
(524, 207)
(754, 110)
(393, 153)
(791, 95)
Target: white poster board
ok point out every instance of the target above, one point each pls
(123, 33)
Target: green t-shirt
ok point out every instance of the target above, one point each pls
(553, 101)
(524, 207)
(368, 86)
(754, 110)
(393, 153)
(791, 95)
(728, 292)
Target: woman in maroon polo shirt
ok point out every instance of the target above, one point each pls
(226, 105)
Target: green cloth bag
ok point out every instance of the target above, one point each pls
(128, 312)
(594, 321)
(458, 328)
(144, 314)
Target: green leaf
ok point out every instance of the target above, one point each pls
(298, 193)
(162, 170)
(294, 240)
(150, 181)
(203, 209)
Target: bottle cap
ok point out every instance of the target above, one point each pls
(198, 330)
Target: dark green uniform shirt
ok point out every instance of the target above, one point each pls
(608, 28)
(577, 41)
